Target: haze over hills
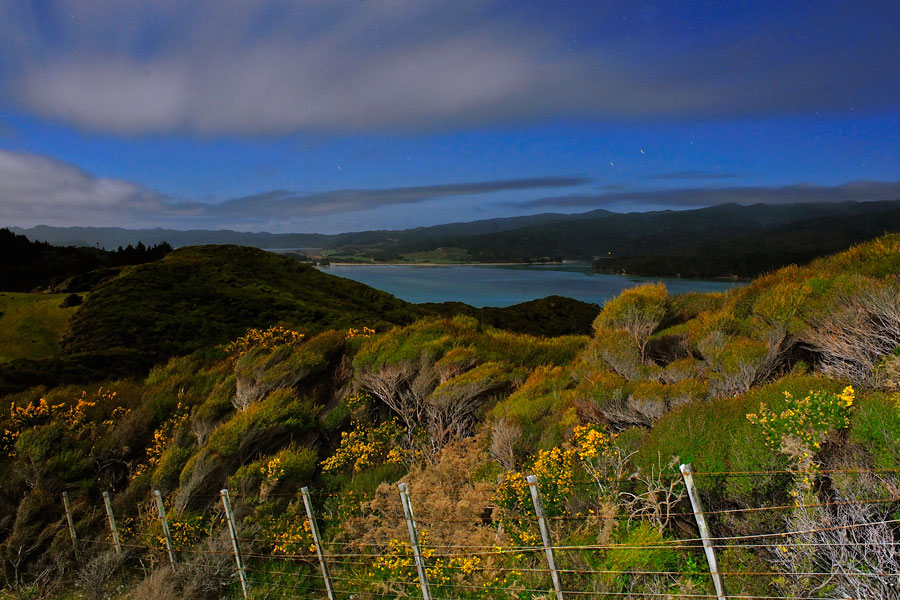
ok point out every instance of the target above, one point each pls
(801, 231)
(112, 237)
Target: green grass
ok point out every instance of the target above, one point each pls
(31, 325)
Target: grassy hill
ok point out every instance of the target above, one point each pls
(205, 295)
(201, 296)
(32, 325)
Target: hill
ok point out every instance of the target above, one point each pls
(783, 395)
(748, 255)
(201, 296)
(637, 242)
(205, 295)
(112, 237)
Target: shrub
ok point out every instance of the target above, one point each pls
(169, 467)
(735, 364)
(638, 311)
(263, 424)
(875, 424)
(619, 351)
(263, 370)
(543, 407)
(716, 436)
(641, 548)
(802, 426)
(857, 329)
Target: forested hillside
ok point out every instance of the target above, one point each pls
(750, 254)
(722, 240)
(783, 396)
(26, 265)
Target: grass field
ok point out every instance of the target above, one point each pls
(31, 325)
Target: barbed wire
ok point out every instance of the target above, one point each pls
(357, 557)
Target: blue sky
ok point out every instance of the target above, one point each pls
(360, 114)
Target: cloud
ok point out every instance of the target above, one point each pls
(291, 204)
(855, 191)
(37, 189)
(275, 67)
(41, 190)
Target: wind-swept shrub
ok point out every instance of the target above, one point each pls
(857, 331)
(262, 370)
(638, 311)
(543, 407)
(619, 351)
(735, 363)
(263, 427)
(450, 408)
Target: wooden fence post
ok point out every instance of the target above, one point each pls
(71, 521)
(235, 545)
(688, 475)
(314, 529)
(545, 534)
(112, 523)
(165, 527)
(414, 539)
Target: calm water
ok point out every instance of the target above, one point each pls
(505, 285)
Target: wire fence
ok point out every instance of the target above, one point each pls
(552, 566)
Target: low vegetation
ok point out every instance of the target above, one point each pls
(783, 395)
(33, 324)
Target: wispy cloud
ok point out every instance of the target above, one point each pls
(855, 191)
(292, 204)
(42, 190)
(272, 67)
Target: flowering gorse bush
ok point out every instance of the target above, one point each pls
(24, 417)
(289, 535)
(458, 576)
(600, 458)
(162, 437)
(362, 333)
(365, 447)
(801, 428)
(591, 452)
(42, 412)
(263, 338)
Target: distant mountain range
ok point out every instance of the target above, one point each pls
(723, 240)
(113, 237)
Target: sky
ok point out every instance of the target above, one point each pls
(347, 115)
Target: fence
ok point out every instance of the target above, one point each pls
(545, 569)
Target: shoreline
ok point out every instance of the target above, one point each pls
(723, 279)
(432, 264)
